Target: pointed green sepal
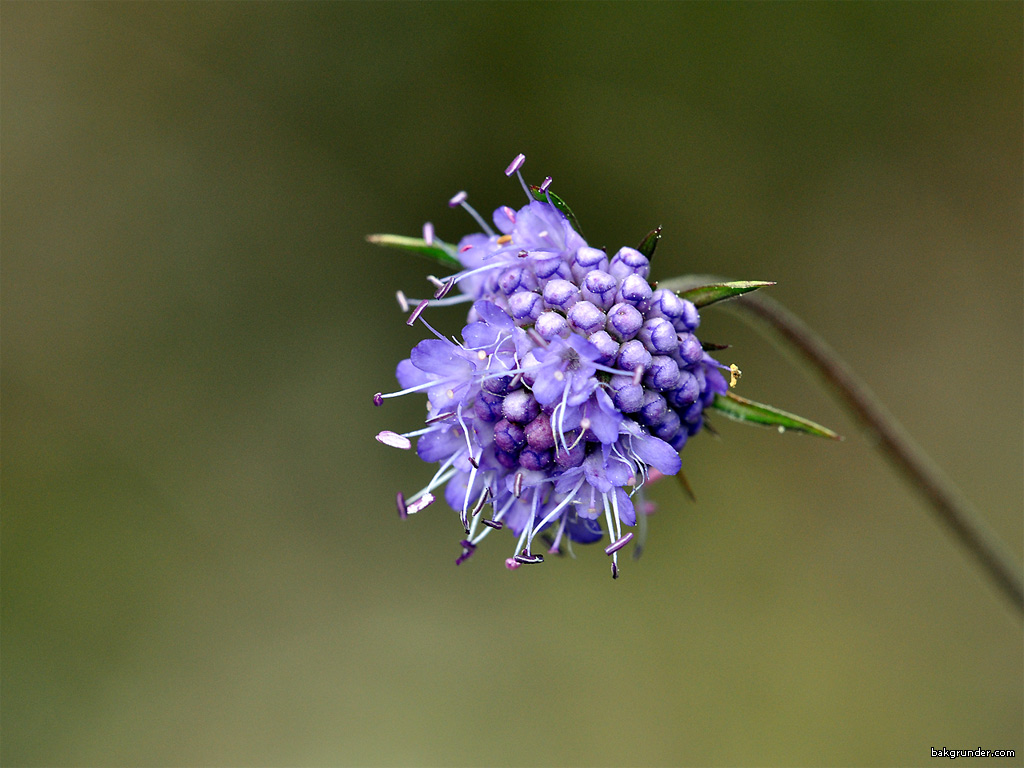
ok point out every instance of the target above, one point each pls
(709, 294)
(559, 203)
(741, 409)
(649, 243)
(443, 253)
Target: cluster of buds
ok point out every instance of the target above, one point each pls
(575, 381)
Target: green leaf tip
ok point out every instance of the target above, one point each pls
(547, 196)
(709, 294)
(445, 254)
(650, 242)
(741, 409)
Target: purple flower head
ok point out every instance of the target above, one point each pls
(574, 382)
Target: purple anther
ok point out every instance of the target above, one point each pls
(378, 399)
(495, 524)
(586, 318)
(624, 320)
(468, 548)
(417, 312)
(523, 254)
(615, 570)
(421, 503)
(480, 502)
(516, 164)
(615, 546)
(428, 233)
(560, 294)
(517, 486)
(474, 462)
(599, 288)
(446, 286)
(439, 417)
(525, 558)
(403, 512)
(545, 184)
(395, 440)
(458, 199)
(403, 302)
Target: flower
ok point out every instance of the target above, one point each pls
(576, 379)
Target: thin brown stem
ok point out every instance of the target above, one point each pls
(950, 505)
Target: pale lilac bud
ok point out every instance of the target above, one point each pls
(520, 407)
(517, 279)
(551, 324)
(599, 289)
(667, 428)
(690, 317)
(663, 373)
(587, 259)
(554, 268)
(606, 345)
(560, 294)
(586, 318)
(634, 290)
(525, 307)
(624, 320)
(665, 304)
(659, 336)
(654, 407)
(629, 261)
(633, 354)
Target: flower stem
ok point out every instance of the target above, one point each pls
(952, 508)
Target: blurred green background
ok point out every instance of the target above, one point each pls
(202, 564)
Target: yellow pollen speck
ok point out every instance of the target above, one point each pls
(734, 374)
(504, 239)
(559, 375)
(451, 394)
(481, 355)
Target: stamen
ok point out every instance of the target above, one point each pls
(468, 548)
(553, 550)
(438, 283)
(403, 512)
(495, 524)
(445, 287)
(420, 504)
(517, 488)
(504, 240)
(516, 164)
(509, 213)
(378, 399)
(428, 233)
(402, 301)
(458, 198)
(545, 184)
(638, 373)
(619, 544)
(522, 254)
(439, 417)
(395, 440)
(480, 503)
(734, 374)
(528, 559)
(615, 570)
(416, 313)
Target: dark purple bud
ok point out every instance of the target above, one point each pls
(679, 440)
(662, 374)
(667, 428)
(599, 288)
(632, 354)
(539, 434)
(654, 407)
(693, 412)
(695, 427)
(575, 455)
(627, 396)
(586, 259)
(525, 307)
(488, 406)
(509, 436)
(686, 392)
(659, 336)
(506, 459)
(634, 290)
(629, 261)
(586, 318)
(498, 385)
(516, 279)
(560, 294)
(690, 350)
(551, 324)
(535, 460)
(520, 407)
(624, 320)
(606, 346)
